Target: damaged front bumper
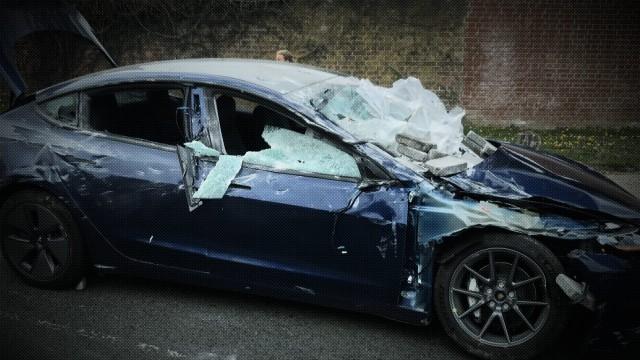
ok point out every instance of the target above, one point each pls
(612, 279)
(602, 271)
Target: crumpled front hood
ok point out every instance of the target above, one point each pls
(518, 173)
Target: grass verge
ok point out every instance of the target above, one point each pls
(613, 150)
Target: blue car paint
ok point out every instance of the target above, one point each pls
(289, 235)
(282, 238)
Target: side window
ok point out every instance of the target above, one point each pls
(291, 150)
(144, 113)
(62, 109)
(267, 138)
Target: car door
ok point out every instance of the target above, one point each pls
(312, 236)
(302, 231)
(131, 191)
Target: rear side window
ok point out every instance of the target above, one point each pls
(62, 109)
(140, 113)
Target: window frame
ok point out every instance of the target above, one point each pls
(219, 90)
(40, 108)
(83, 112)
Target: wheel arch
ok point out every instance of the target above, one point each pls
(449, 246)
(15, 187)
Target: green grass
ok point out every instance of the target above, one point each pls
(602, 148)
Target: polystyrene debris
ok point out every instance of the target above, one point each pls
(478, 144)
(219, 178)
(447, 165)
(290, 150)
(413, 153)
(377, 114)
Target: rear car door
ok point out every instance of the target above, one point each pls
(123, 171)
(295, 220)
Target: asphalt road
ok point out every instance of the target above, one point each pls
(125, 318)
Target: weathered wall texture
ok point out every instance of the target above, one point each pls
(544, 64)
(547, 63)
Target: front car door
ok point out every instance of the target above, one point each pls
(295, 220)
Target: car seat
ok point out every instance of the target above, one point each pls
(103, 112)
(230, 134)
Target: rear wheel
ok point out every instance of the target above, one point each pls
(498, 298)
(40, 240)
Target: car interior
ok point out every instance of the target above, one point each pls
(273, 140)
(242, 123)
(148, 114)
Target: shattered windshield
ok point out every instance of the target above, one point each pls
(355, 107)
(378, 114)
(407, 120)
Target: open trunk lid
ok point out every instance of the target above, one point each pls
(19, 19)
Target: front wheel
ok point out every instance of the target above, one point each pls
(498, 299)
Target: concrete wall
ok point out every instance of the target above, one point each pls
(544, 64)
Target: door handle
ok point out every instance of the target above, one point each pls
(342, 250)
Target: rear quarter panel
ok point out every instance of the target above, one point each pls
(30, 150)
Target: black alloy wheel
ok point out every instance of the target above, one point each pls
(497, 297)
(40, 240)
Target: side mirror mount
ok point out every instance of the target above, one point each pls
(371, 185)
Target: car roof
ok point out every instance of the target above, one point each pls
(276, 76)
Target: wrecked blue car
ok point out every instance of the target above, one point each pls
(289, 181)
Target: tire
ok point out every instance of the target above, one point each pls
(534, 312)
(40, 240)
